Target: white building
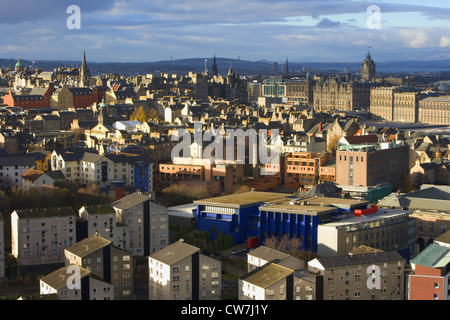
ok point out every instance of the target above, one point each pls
(35, 178)
(12, 167)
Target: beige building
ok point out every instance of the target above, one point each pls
(148, 224)
(106, 261)
(2, 246)
(336, 94)
(375, 275)
(101, 220)
(257, 285)
(434, 110)
(394, 104)
(269, 282)
(39, 236)
(181, 272)
(75, 283)
(299, 91)
(381, 103)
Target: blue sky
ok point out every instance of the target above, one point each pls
(153, 30)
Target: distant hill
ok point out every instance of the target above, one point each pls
(241, 67)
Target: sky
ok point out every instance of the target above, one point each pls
(272, 30)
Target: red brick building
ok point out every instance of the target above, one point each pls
(431, 276)
(29, 101)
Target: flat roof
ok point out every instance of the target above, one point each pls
(239, 200)
(311, 210)
(382, 213)
(314, 206)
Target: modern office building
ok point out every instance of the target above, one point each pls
(235, 214)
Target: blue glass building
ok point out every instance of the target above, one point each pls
(264, 214)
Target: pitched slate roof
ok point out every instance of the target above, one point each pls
(130, 201)
(58, 279)
(88, 245)
(174, 253)
(359, 259)
(267, 275)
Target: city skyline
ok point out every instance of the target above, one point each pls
(146, 31)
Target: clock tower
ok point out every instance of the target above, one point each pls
(368, 69)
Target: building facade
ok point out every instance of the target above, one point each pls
(148, 224)
(2, 246)
(431, 277)
(75, 283)
(369, 276)
(39, 236)
(434, 110)
(181, 272)
(104, 260)
(371, 165)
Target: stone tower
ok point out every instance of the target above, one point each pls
(84, 73)
(368, 69)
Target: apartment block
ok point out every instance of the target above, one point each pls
(147, 221)
(376, 275)
(269, 282)
(372, 165)
(12, 167)
(72, 282)
(98, 219)
(39, 236)
(104, 260)
(2, 246)
(181, 272)
(275, 275)
(430, 279)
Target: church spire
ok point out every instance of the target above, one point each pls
(84, 72)
(214, 66)
(286, 69)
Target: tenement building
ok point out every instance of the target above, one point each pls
(375, 275)
(181, 272)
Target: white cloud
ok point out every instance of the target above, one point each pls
(445, 42)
